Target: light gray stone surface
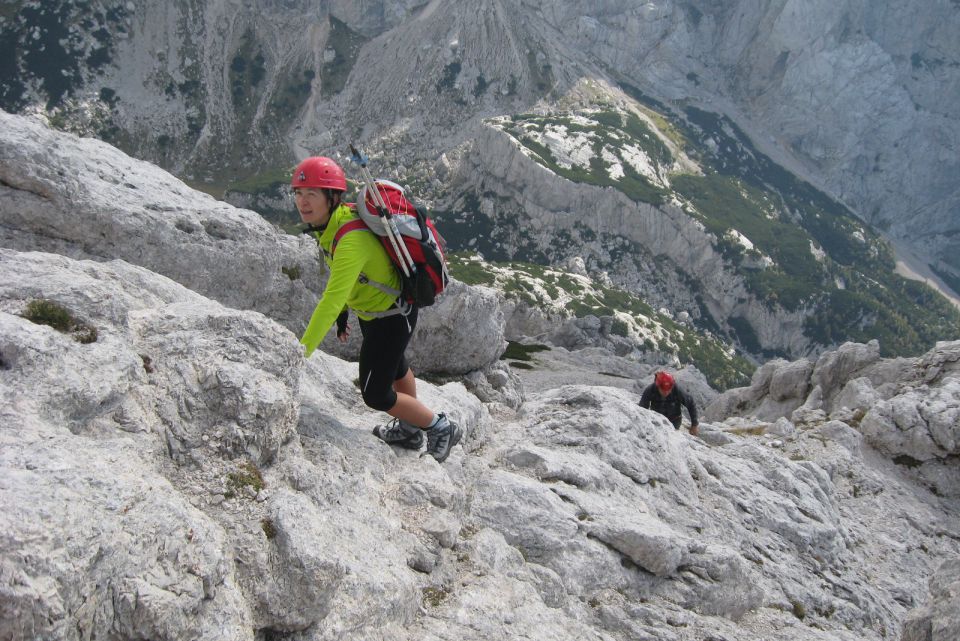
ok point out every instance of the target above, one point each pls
(82, 198)
(126, 510)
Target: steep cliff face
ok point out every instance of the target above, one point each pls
(681, 209)
(861, 95)
(635, 241)
(854, 97)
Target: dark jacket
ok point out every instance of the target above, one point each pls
(669, 406)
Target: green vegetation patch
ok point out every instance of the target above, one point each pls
(51, 314)
(610, 133)
(246, 475)
(726, 203)
(541, 74)
(521, 351)
(759, 430)
(346, 44)
(268, 527)
(448, 80)
(469, 271)
(292, 95)
(952, 280)
(907, 317)
(435, 596)
(293, 273)
(247, 70)
(55, 44)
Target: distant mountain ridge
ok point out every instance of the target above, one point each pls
(682, 210)
(229, 97)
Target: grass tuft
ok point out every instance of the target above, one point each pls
(246, 475)
(51, 314)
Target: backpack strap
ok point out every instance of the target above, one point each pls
(349, 226)
(402, 307)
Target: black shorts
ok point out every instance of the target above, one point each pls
(382, 359)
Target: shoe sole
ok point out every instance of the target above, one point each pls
(454, 439)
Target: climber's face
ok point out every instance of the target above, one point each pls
(313, 205)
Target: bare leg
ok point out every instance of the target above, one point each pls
(409, 409)
(406, 385)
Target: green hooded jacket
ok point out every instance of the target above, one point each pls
(358, 251)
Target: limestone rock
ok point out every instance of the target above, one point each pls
(461, 332)
(85, 199)
(938, 620)
(82, 198)
(888, 400)
(174, 468)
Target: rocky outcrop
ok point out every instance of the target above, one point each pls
(155, 475)
(905, 408)
(84, 199)
(939, 620)
(179, 470)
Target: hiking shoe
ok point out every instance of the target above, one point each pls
(401, 433)
(441, 438)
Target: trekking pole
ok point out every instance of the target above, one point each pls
(389, 225)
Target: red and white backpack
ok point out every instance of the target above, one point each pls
(426, 279)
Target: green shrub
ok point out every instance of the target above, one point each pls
(47, 312)
(522, 352)
(51, 314)
(799, 610)
(435, 596)
(246, 475)
(268, 527)
(619, 327)
(468, 271)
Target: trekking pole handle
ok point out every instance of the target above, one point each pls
(365, 174)
(357, 157)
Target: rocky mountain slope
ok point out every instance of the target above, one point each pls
(174, 468)
(687, 214)
(82, 198)
(847, 95)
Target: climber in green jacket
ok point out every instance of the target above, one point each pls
(386, 322)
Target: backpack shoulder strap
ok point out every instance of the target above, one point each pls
(349, 226)
(355, 225)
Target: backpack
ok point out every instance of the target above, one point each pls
(428, 277)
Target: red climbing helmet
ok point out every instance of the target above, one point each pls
(319, 172)
(664, 382)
